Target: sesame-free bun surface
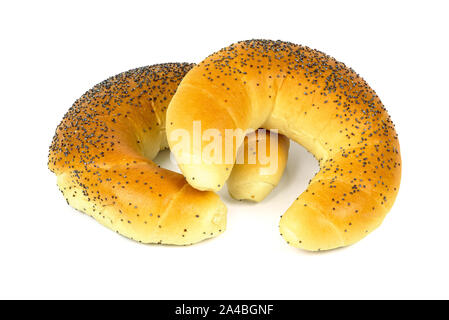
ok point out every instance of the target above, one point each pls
(257, 175)
(316, 101)
(102, 151)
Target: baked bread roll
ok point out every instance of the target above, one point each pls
(102, 151)
(319, 103)
(101, 155)
(259, 171)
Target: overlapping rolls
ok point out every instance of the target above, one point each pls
(101, 154)
(314, 100)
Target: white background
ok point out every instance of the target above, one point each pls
(52, 52)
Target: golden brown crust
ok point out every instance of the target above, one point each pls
(260, 170)
(100, 154)
(319, 103)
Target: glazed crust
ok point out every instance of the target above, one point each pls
(101, 155)
(102, 151)
(316, 101)
(256, 176)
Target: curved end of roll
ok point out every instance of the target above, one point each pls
(195, 216)
(253, 191)
(206, 177)
(219, 215)
(309, 230)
